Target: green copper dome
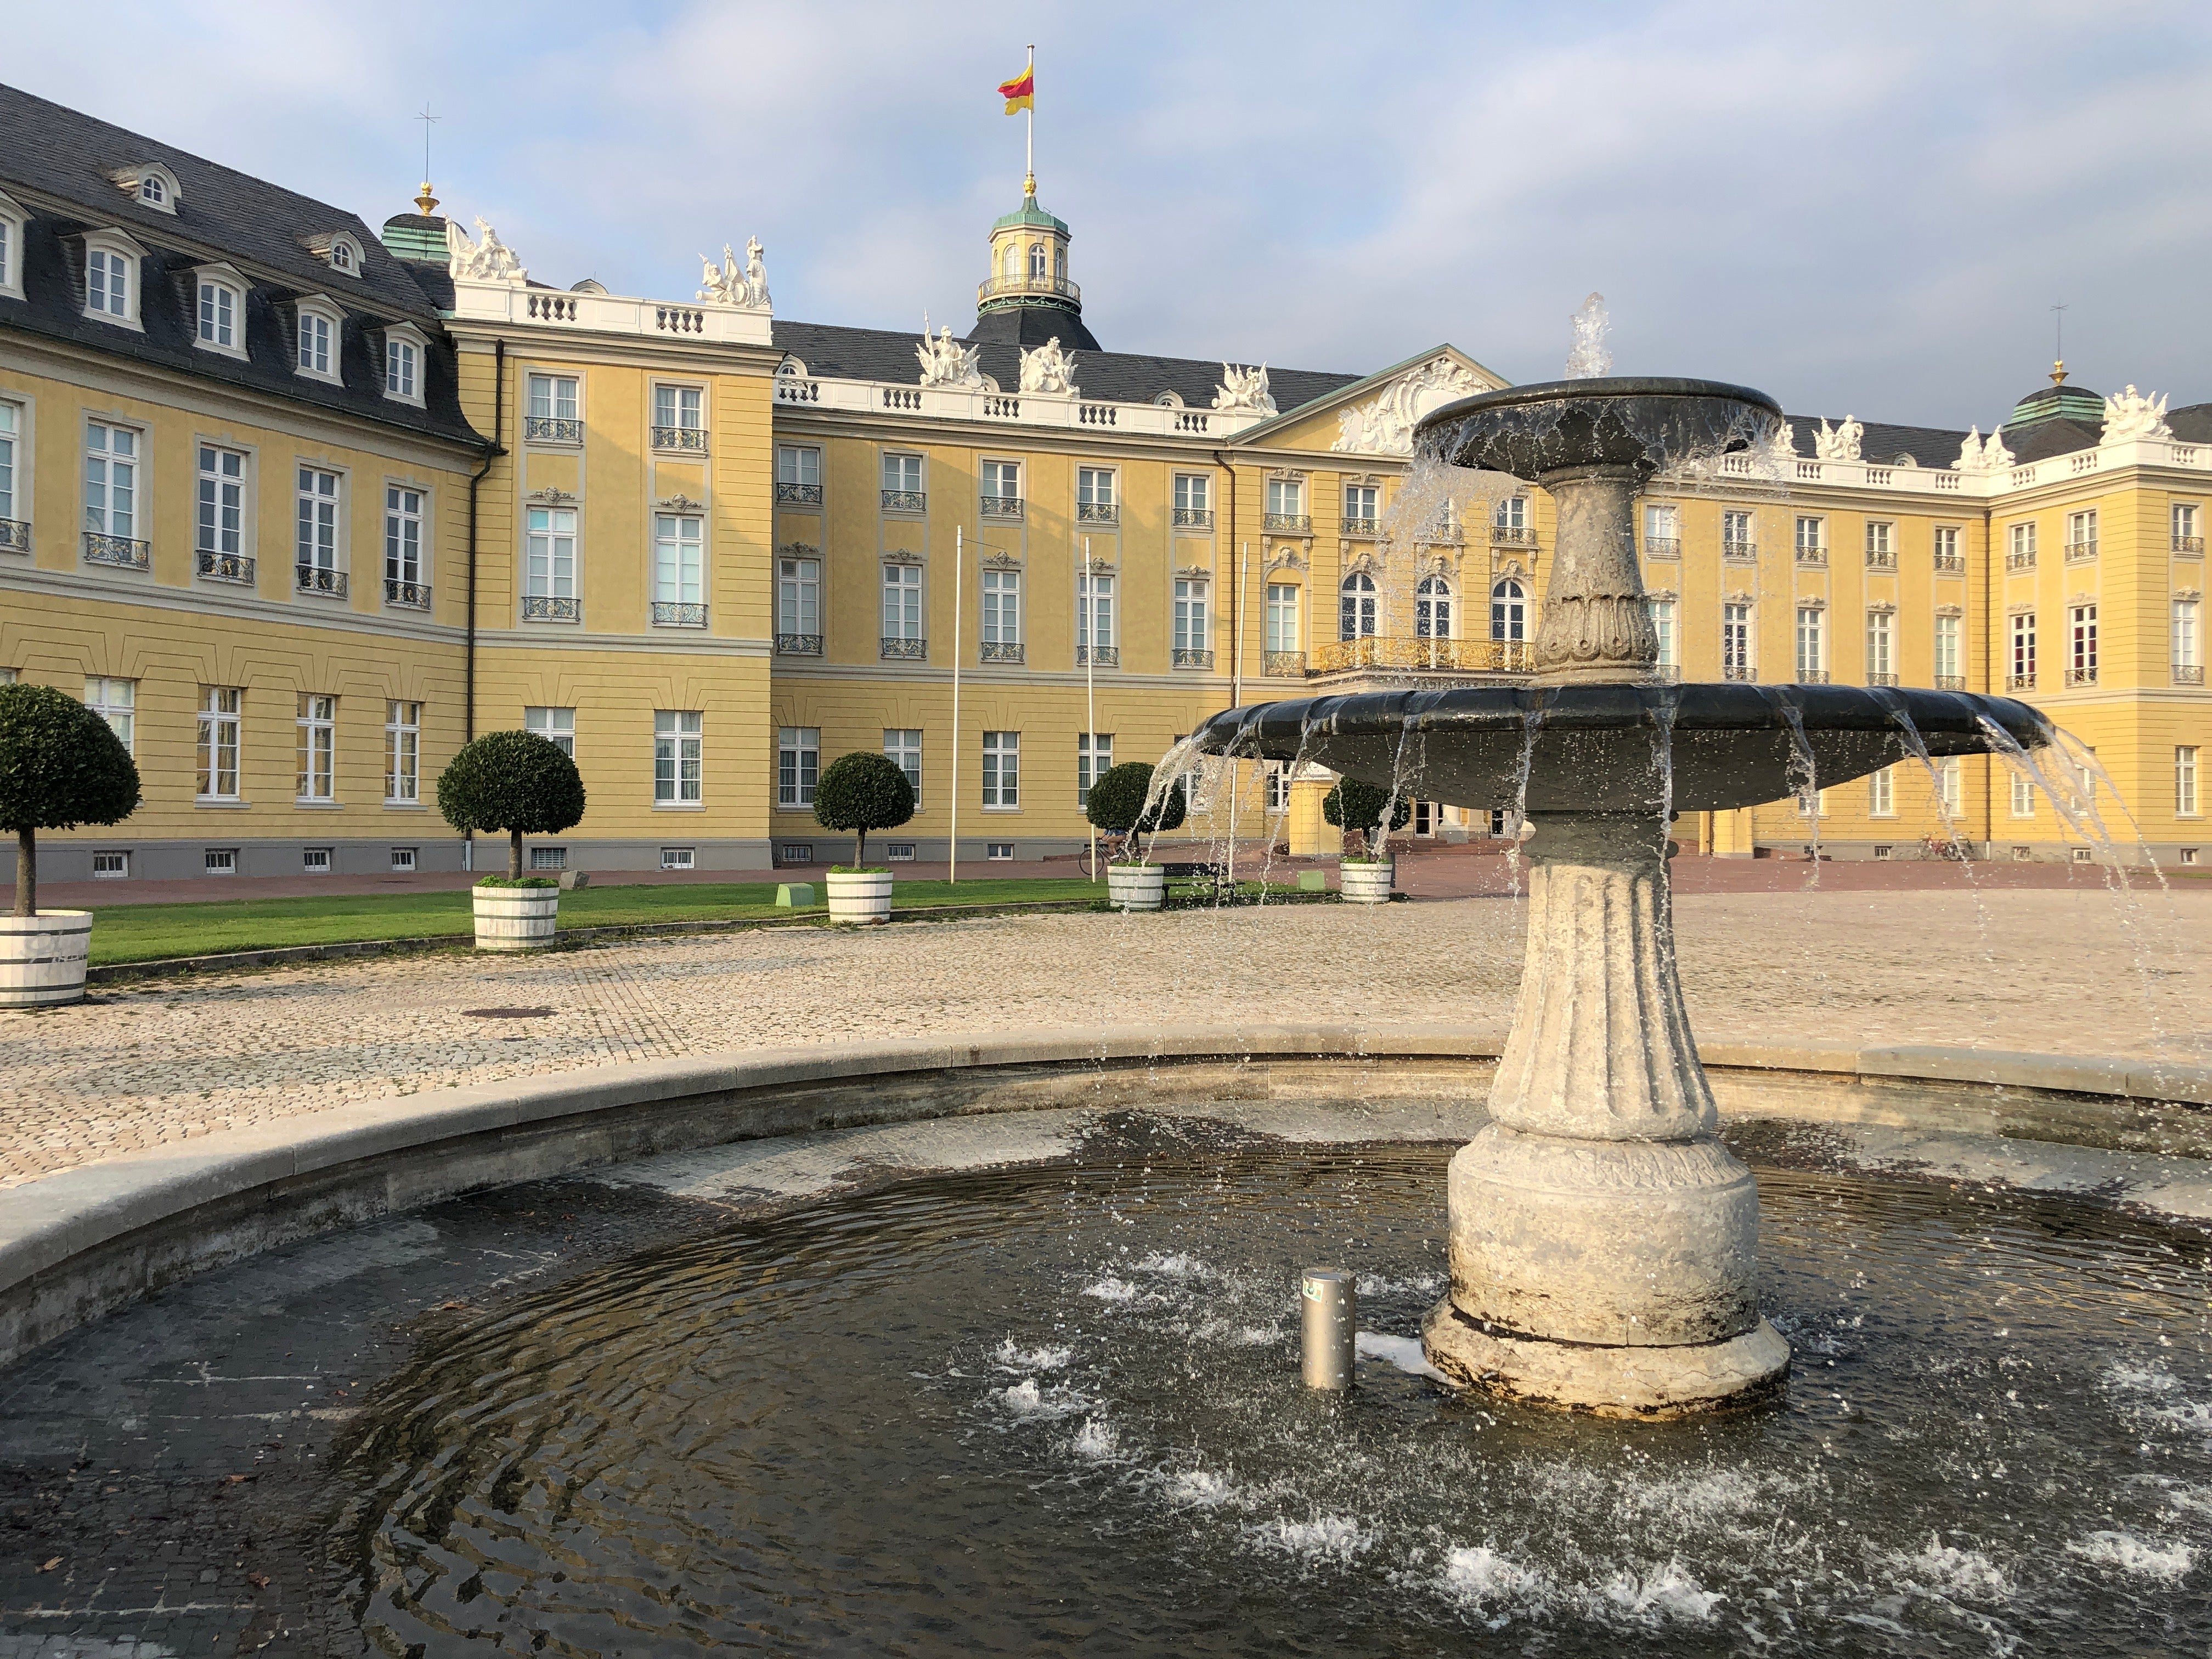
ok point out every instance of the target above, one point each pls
(2060, 402)
(1030, 214)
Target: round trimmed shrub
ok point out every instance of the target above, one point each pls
(60, 766)
(512, 784)
(1360, 806)
(860, 792)
(1115, 805)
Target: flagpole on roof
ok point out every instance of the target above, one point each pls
(1029, 184)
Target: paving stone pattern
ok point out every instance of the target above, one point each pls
(2066, 971)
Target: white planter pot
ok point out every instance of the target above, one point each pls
(515, 918)
(1367, 883)
(42, 958)
(1136, 886)
(859, 896)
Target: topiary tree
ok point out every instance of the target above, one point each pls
(1115, 805)
(860, 792)
(514, 784)
(1356, 805)
(60, 766)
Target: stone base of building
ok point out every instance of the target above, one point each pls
(1650, 1384)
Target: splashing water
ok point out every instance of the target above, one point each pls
(1532, 721)
(1589, 360)
(1804, 779)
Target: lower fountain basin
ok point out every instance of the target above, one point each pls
(1602, 747)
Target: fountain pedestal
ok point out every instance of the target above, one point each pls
(1604, 1244)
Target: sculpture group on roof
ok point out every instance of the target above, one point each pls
(1839, 443)
(729, 284)
(1049, 369)
(1243, 390)
(2132, 414)
(1980, 454)
(944, 361)
(485, 260)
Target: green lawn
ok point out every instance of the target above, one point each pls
(146, 933)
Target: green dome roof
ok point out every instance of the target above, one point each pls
(2058, 402)
(1030, 214)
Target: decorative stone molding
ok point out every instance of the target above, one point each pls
(2081, 597)
(1097, 567)
(1742, 596)
(548, 497)
(1363, 562)
(901, 556)
(1879, 607)
(2187, 595)
(1287, 474)
(1818, 602)
(680, 504)
(1287, 558)
(1592, 630)
(2020, 608)
(798, 550)
(1198, 573)
(1000, 562)
(1950, 610)
(1384, 425)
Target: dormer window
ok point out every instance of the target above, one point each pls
(404, 350)
(338, 249)
(319, 335)
(12, 221)
(219, 310)
(110, 277)
(151, 185)
(152, 191)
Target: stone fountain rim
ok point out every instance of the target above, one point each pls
(1604, 388)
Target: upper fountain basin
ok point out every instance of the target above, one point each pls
(1599, 748)
(1629, 421)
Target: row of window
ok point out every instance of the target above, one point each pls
(1950, 794)
(1663, 532)
(553, 413)
(220, 739)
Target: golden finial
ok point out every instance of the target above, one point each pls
(1029, 187)
(2059, 372)
(427, 201)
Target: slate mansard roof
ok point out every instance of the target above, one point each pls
(58, 164)
(881, 354)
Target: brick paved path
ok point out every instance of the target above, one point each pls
(2058, 970)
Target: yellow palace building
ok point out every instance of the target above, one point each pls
(300, 506)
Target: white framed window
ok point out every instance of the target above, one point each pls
(1193, 630)
(548, 858)
(219, 519)
(1882, 792)
(1094, 617)
(1662, 627)
(999, 852)
(1094, 492)
(403, 860)
(403, 538)
(115, 702)
(1002, 481)
(797, 764)
(1948, 655)
(110, 282)
(799, 597)
(679, 559)
(1881, 667)
(1812, 641)
(1738, 661)
(902, 475)
(317, 748)
(1432, 609)
(2188, 635)
(1947, 556)
(549, 570)
(315, 546)
(1281, 624)
(556, 726)
(1663, 529)
(1040, 263)
(2023, 795)
(220, 862)
(1356, 617)
(2021, 544)
(1279, 786)
(2081, 534)
(1812, 536)
(1002, 607)
(2081, 644)
(902, 602)
(2187, 537)
(403, 752)
(403, 367)
(1094, 759)
(679, 417)
(1287, 498)
(1193, 495)
(1510, 515)
(11, 424)
(678, 735)
(110, 479)
(157, 188)
(110, 867)
(798, 465)
(345, 255)
(898, 852)
(1880, 541)
(220, 316)
(552, 410)
(903, 748)
(679, 858)
(1002, 767)
(1012, 262)
(316, 333)
(1739, 535)
(2023, 675)
(2185, 780)
(1950, 785)
(219, 732)
(1509, 611)
(1812, 803)
(1363, 503)
(11, 244)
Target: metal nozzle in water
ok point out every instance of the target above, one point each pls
(1329, 1318)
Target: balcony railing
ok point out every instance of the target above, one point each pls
(1738, 670)
(668, 613)
(1513, 535)
(1002, 506)
(320, 579)
(406, 595)
(798, 494)
(1097, 513)
(1289, 524)
(1812, 677)
(906, 501)
(551, 429)
(1881, 558)
(225, 567)
(2021, 682)
(798, 645)
(1103, 656)
(1458, 656)
(2188, 674)
(1951, 563)
(1183, 656)
(902, 649)
(15, 536)
(685, 440)
(1001, 651)
(2191, 547)
(996, 287)
(1736, 552)
(547, 607)
(1876, 678)
(2020, 560)
(1283, 665)
(1950, 682)
(1663, 547)
(1813, 556)
(1364, 527)
(2081, 676)
(126, 552)
(2081, 552)
(1194, 517)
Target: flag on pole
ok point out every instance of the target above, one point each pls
(1020, 93)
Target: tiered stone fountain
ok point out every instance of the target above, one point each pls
(1603, 1242)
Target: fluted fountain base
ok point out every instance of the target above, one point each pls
(1646, 1383)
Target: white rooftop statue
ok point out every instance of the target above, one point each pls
(727, 285)
(487, 260)
(1049, 369)
(1840, 443)
(1244, 389)
(2131, 414)
(944, 361)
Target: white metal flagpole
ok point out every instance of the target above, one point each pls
(1090, 685)
(1031, 126)
(952, 848)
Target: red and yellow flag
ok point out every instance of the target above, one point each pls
(1020, 93)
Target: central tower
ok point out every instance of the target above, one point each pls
(1028, 297)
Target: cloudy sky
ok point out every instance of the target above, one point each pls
(1860, 207)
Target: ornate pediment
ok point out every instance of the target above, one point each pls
(2187, 595)
(680, 503)
(1286, 558)
(1363, 562)
(1880, 608)
(799, 550)
(549, 497)
(1195, 573)
(1740, 597)
(1000, 562)
(901, 555)
(1097, 567)
(1950, 610)
(1384, 424)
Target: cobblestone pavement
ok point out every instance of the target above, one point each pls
(2065, 971)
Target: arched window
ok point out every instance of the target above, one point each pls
(1013, 261)
(1432, 609)
(1039, 267)
(1355, 615)
(1509, 611)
